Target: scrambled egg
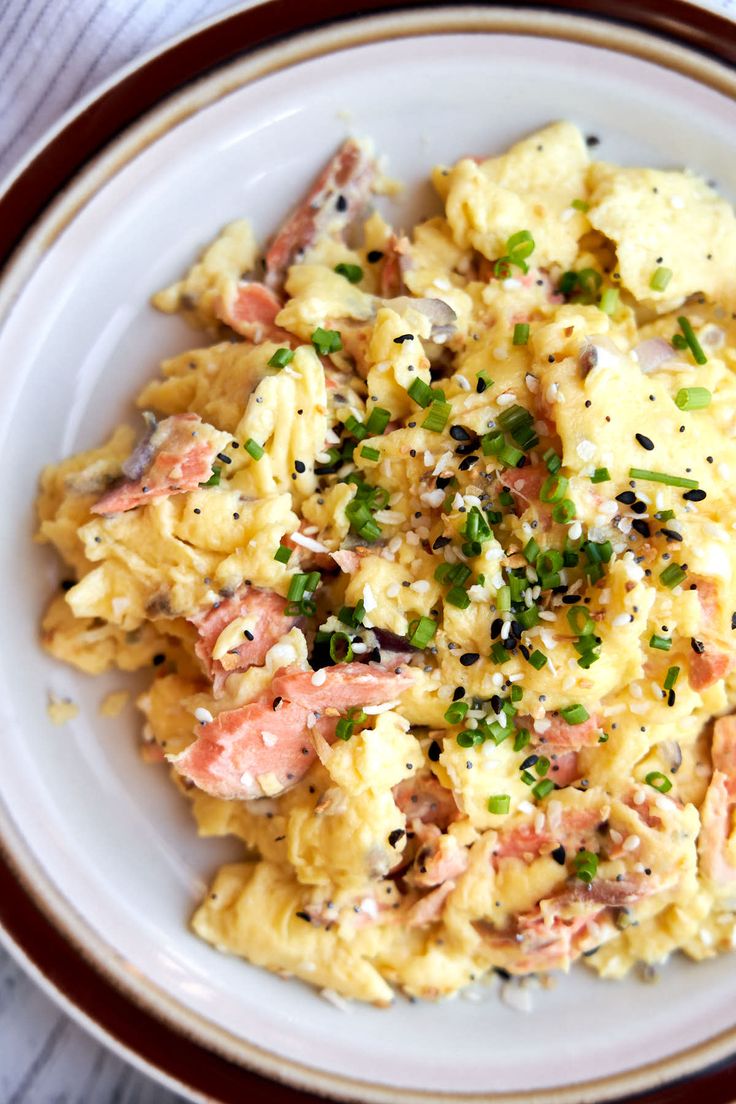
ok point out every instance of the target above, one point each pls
(430, 551)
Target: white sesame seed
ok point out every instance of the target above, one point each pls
(526, 807)
(622, 619)
(586, 450)
(319, 677)
(374, 710)
(462, 382)
(510, 284)
(631, 843)
(506, 399)
(575, 530)
(203, 715)
(269, 739)
(615, 836)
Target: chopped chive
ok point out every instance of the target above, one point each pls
(517, 693)
(214, 479)
(370, 453)
(253, 449)
(663, 477)
(693, 344)
(564, 511)
(679, 342)
(580, 621)
(297, 587)
(466, 739)
(456, 596)
(503, 599)
(510, 456)
(538, 660)
(580, 205)
(531, 550)
(543, 788)
(586, 865)
(513, 417)
(281, 358)
(693, 398)
(527, 778)
(437, 417)
(660, 278)
(575, 714)
(673, 575)
(326, 341)
(351, 272)
(420, 392)
(660, 643)
(499, 654)
(341, 650)
(283, 554)
(499, 804)
(421, 631)
(664, 515)
(356, 428)
(552, 460)
(492, 443)
(609, 301)
(600, 475)
(521, 333)
(522, 739)
(673, 673)
(528, 618)
(658, 781)
(455, 713)
(377, 421)
(542, 765)
(554, 488)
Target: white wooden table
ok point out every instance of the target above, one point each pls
(45, 1058)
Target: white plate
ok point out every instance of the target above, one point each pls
(106, 842)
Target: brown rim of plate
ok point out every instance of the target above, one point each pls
(62, 966)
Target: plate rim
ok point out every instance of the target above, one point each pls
(28, 204)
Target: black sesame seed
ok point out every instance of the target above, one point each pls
(225, 459)
(529, 762)
(459, 433)
(305, 916)
(639, 507)
(559, 855)
(697, 645)
(592, 140)
(374, 255)
(467, 463)
(695, 495)
(458, 692)
(433, 752)
(627, 497)
(341, 203)
(300, 466)
(402, 338)
(469, 658)
(645, 442)
(641, 526)
(395, 836)
(158, 659)
(441, 542)
(670, 534)
(248, 634)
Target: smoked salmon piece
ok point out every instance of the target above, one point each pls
(259, 621)
(576, 825)
(719, 806)
(423, 797)
(707, 667)
(175, 457)
(336, 198)
(560, 734)
(252, 752)
(342, 687)
(251, 312)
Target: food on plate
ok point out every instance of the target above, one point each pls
(428, 545)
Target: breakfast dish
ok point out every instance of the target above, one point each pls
(429, 547)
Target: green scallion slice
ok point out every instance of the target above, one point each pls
(600, 475)
(552, 460)
(660, 643)
(420, 392)
(586, 866)
(499, 804)
(660, 278)
(437, 417)
(531, 550)
(580, 205)
(543, 788)
(554, 487)
(538, 660)
(281, 358)
(370, 453)
(672, 575)
(253, 449)
(499, 654)
(351, 272)
(564, 511)
(521, 333)
(658, 781)
(574, 714)
(214, 479)
(421, 631)
(521, 739)
(377, 421)
(510, 456)
(580, 621)
(341, 650)
(693, 398)
(455, 713)
(673, 673)
(283, 554)
(609, 301)
(326, 341)
(456, 596)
